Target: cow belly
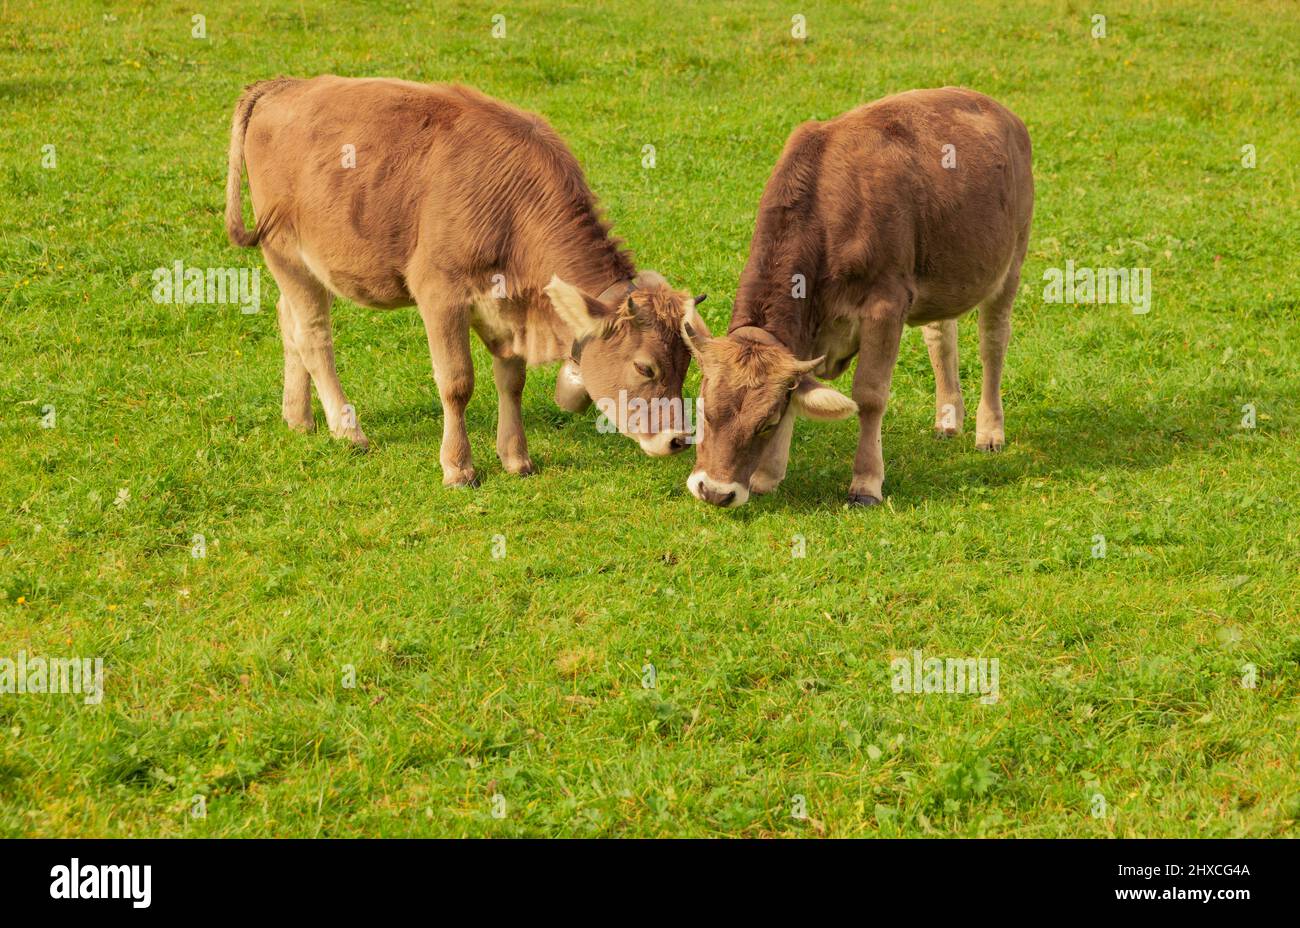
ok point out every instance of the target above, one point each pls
(950, 297)
(372, 291)
(365, 284)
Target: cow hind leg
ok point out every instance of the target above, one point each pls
(296, 405)
(512, 445)
(446, 324)
(307, 314)
(949, 411)
(995, 334)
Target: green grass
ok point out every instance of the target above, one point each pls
(522, 676)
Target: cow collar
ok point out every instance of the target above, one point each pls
(609, 295)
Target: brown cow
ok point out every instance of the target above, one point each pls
(910, 210)
(393, 193)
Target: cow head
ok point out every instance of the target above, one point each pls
(748, 385)
(629, 358)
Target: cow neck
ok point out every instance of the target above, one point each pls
(615, 293)
(787, 247)
(764, 301)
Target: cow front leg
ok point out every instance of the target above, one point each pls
(949, 411)
(771, 467)
(880, 334)
(447, 326)
(512, 445)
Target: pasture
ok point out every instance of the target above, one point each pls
(591, 651)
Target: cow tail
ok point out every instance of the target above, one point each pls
(239, 234)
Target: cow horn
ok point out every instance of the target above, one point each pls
(807, 367)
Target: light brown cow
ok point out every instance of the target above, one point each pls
(908, 211)
(393, 193)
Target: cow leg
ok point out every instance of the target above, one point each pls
(308, 313)
(296, 406)
(446, 323)
(879, 337)
(512, 445)
(771, 467)
(949, 411)
(995, 333)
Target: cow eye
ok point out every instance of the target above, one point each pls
(769, 428)
(645, 370)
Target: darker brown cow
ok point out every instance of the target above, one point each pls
(907, 211)
(393, 193)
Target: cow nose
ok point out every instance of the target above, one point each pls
(663, 443)
(704, 487)
(710, 495)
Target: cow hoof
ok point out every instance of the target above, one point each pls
(943, 434)
(355, 436)
(863, 499)
(990, 446)
(527, 469)
(465, 480)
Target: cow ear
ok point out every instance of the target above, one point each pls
(818, 401)
(581, 313)
(695, 332)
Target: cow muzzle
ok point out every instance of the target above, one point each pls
(729, 495)
(664, 443)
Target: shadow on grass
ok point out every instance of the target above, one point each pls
(421, 421)
(1054, 442)
(1058, 443)
(30, 88)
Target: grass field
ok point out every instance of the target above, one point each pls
(506, 695)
